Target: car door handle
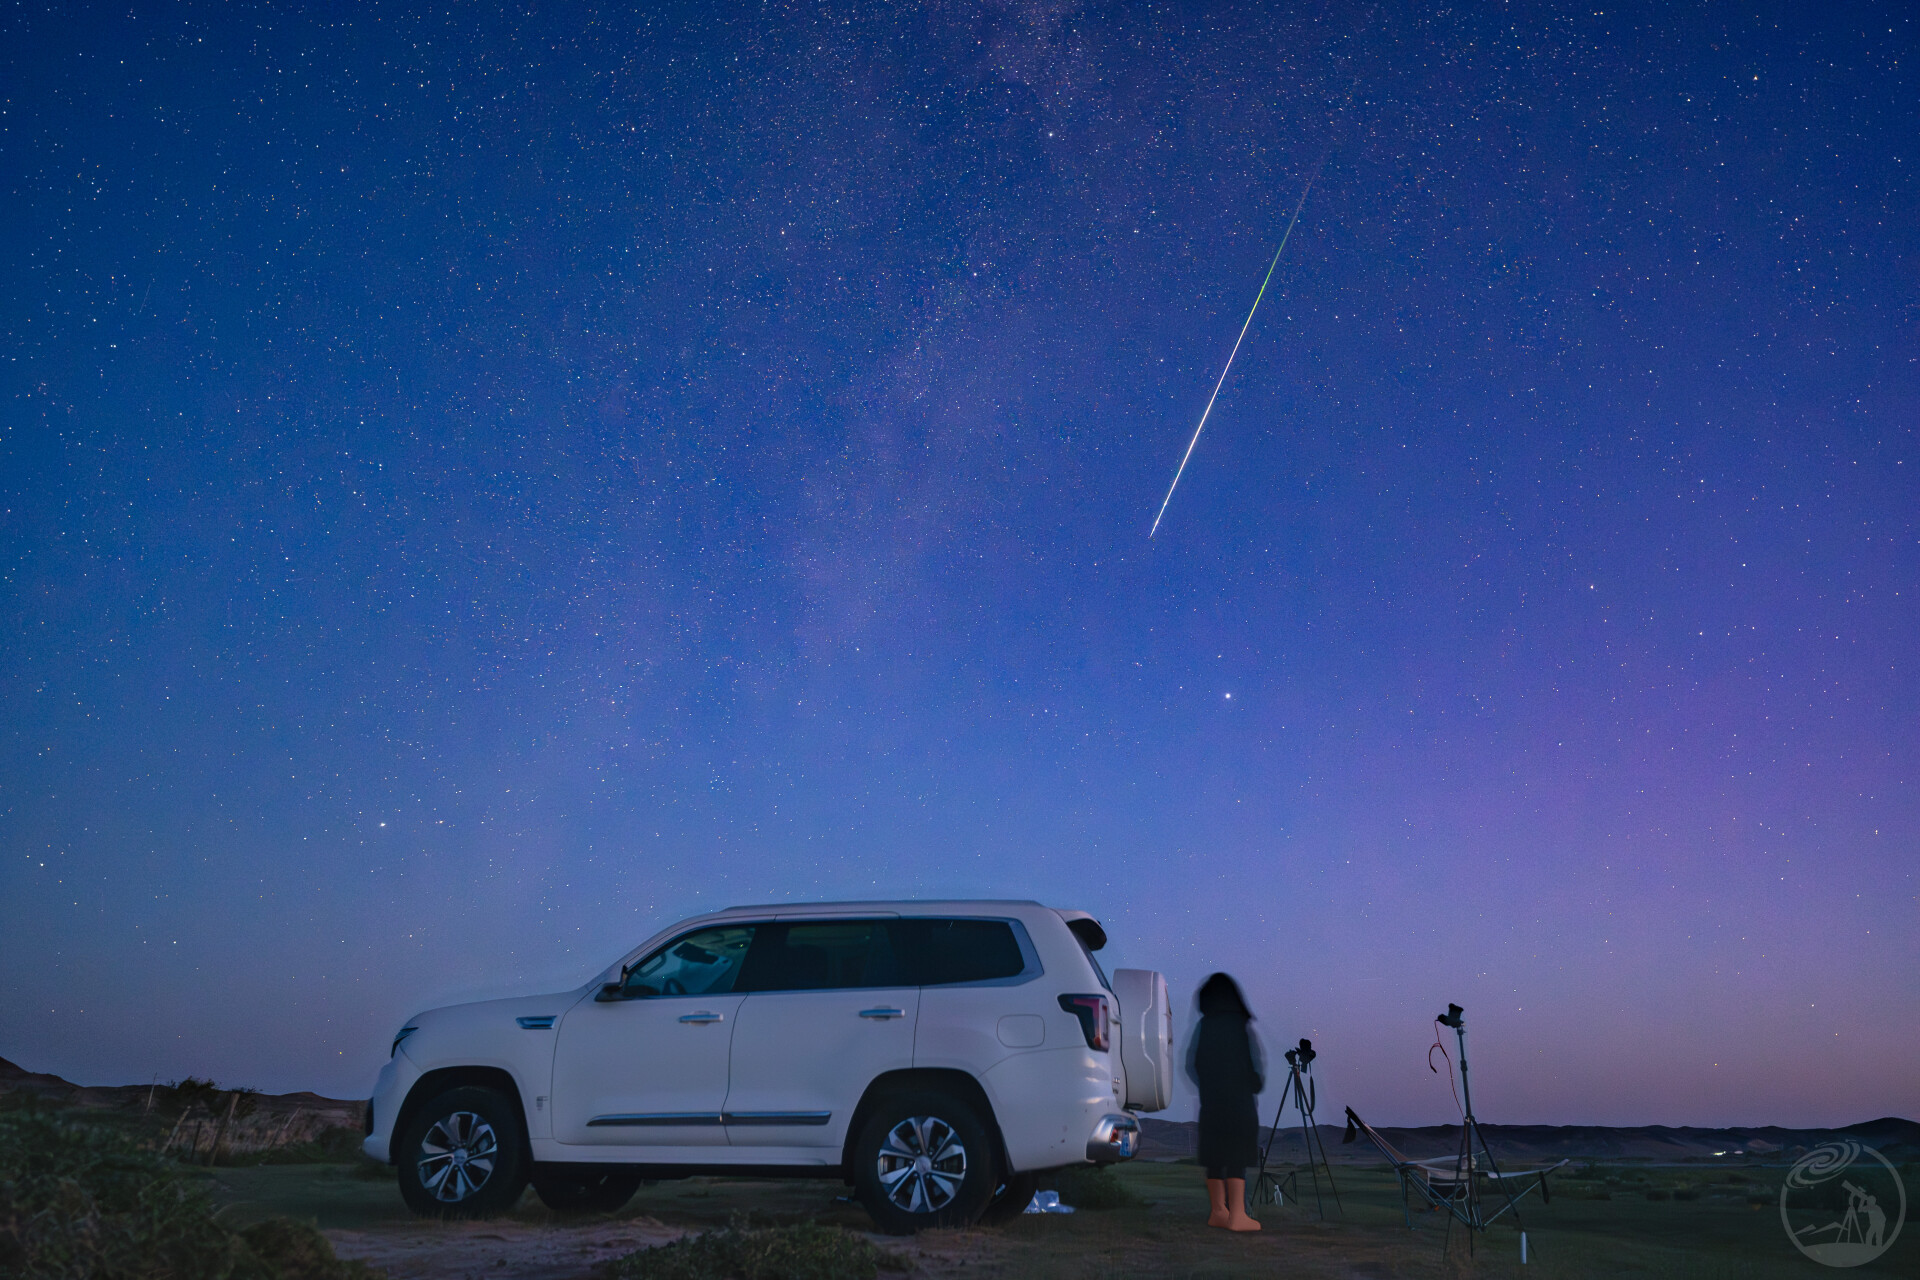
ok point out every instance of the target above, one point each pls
(883, 1014)
(702, 1016)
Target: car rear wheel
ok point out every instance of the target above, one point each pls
(924, 1159)
(571, 1191)
(463, 1155)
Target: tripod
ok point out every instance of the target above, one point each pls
(1466, 1189)
(1269, 1189)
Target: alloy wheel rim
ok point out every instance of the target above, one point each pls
(922, 1164)
(457, 1156)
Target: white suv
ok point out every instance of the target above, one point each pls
(937, 1056)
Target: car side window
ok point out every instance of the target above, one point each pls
(823, 955)
(705, 963)
(948, 951)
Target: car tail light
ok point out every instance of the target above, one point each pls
(1094, 1023)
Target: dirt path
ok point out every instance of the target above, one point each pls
(498, 1249)
(507, 1250)
(501, 1249)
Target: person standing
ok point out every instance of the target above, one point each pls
(1876, 1222)
(1228, 1065)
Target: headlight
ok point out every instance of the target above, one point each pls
(404, 1033)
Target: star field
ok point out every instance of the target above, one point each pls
(476, 486)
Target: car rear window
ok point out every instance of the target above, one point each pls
(947, 951)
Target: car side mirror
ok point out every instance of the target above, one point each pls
(611, 991)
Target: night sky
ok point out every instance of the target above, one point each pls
(479, 486)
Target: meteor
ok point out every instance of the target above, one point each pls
(1298, 205)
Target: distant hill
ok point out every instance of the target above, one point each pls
(16, 1079)
(198, 1114)
(1897, 1140)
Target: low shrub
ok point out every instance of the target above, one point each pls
(283, 1249)
(1686, 1193)
(742, 1251)
(1656, 1193)
(83, 1202)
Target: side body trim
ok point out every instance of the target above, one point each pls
(664, 1119)
(653, 1118)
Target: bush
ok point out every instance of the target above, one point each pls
(82, 1202)
(741, 1251)
(1686, 1193)
(283, 1249)
(1655, 1193)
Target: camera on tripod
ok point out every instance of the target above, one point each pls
(1273, 1188)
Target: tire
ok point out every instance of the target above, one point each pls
(463, 1155)
(583, 1192)
(924, 1159)
(1012, 1199)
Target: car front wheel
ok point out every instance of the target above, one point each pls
(924, 1159)
(463, 1155)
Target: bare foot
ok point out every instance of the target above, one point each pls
(1241, 1222)
(1220, 1218)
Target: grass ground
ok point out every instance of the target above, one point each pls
(1715, 1233)
(85, 1202)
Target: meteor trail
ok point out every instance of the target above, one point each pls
(1298, 205)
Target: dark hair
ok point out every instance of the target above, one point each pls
(1221, 994)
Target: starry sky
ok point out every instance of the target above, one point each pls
(481, 484)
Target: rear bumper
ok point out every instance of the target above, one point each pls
(1051, 1104)
(1115, 1138)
